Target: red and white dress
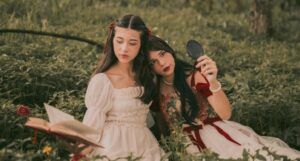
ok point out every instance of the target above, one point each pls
(227, 138)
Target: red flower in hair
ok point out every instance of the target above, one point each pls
(112, 25)
(23, 110)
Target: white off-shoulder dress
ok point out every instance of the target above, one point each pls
(120, 117)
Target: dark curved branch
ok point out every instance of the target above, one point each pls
(51, 34)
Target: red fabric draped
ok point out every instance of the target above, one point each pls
(197, 140)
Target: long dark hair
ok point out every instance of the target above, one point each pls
(143, 74)
(189, 104)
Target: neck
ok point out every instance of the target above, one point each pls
(167, 86)
(168, 80)
(125, 68)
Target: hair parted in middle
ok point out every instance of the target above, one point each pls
(143, 75)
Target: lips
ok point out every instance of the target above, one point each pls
(124, 56)
(166, 69)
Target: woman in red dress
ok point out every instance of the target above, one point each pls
(187, 96)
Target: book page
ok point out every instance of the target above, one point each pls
(67, 133)
(77, 127)
(55, 115)
(37, 123)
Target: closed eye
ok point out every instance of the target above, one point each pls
(119, 40)
(162, 53)
(132, 44)
(152, 62)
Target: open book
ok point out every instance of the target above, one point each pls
(65, 126)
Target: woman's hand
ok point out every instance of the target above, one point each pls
(208, 68)
(81, 152)
(87, 150)
(218, 101)
(77, 150)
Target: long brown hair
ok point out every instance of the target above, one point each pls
(143, 74)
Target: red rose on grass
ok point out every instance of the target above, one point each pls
(23, 110)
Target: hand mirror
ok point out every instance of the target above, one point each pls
(194, 49)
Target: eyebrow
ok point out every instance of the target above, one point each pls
(118, 37)
(161, 51)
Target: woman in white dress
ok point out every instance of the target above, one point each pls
(118, 95)
(186, 94)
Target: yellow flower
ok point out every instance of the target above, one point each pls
(47, 150)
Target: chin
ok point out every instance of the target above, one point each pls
(125, 61)
(170, 72)
(165, 74)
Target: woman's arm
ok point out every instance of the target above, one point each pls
(218, 100)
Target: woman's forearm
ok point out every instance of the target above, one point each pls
(219, 102)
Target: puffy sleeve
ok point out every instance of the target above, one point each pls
(98, 100)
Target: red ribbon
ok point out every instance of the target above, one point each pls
(34, 140)
(201, 88)
(197, 139)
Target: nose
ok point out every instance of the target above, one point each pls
(124, 48)
(161, 62)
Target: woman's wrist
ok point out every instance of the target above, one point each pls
(215, 86)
